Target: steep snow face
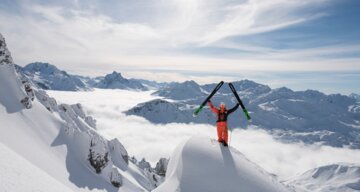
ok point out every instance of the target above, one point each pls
(47, 76)
(116, 81)
(181, 91)
(336, 177)
(201, 164)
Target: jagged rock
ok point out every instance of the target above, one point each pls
(98, 156)
(79, 110)
(133, 160)
(119, 150)
(5, 55)
(161, 166)
(143, 164)
(115, 178)
(26, 102)
(90, 121)
(49, 102)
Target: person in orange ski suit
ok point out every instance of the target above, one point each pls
(221, 123)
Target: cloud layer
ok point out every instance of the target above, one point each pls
(143, 139)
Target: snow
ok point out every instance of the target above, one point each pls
(18, 174)
(271, 109)
(335, 177)
(59, 144)
(201, 164)
(142, 138)
(51, 147)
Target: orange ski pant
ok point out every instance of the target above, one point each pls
(222, 131)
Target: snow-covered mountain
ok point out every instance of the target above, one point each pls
(47, 76)
(116, 81)
(336, 177)
(152, 85)
(308, 116)
(355, 96)
(201, 164)
(59, 144)
(181, 91)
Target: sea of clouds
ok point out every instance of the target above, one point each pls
(144, 139)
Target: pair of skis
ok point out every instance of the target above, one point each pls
(197, 111)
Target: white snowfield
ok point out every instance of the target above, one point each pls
(202, 164)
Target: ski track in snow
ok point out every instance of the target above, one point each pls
(144, 139)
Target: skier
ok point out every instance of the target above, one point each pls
(221, 123)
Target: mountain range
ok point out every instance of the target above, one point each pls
(46, 146)
(292, 116)
(49, 77)
(308, 116)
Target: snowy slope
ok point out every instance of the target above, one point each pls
(47, 76)
(59, 143)
(337, 177)
(20, 175)
(201, 164)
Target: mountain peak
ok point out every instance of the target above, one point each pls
(114, 76)
(115, 80)
(41, 67)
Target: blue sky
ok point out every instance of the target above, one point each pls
(302, 44)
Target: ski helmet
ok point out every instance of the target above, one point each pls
(222, 105)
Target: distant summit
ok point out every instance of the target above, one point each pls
(181, 91)
(47, 76)
(116, 81)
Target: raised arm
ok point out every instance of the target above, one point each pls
(214, 109)
(233, 109)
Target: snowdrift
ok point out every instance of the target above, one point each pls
(202, 164)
